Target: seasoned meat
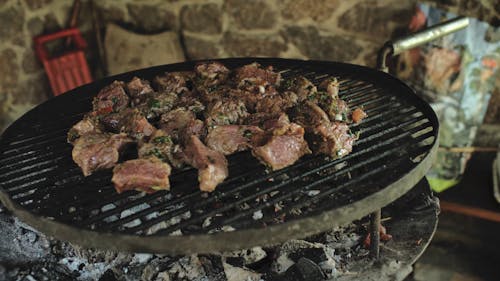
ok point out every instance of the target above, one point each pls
(331, 86)
(277, 103)
(174, 82)
(159, 145)
(129, 121)
(211, 164)
(357, 115)
(302, 87)
(331, 138)
(284, 147)
(229, 139)
(146, 174)
(89, 124)
(138, 89)
(190, 101)
(111, 98)
(210, 74)
(225, 112)
(96, 151)
(253, 76)
(175, 121)
(155, 104)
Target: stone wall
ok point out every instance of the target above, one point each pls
(349, 31)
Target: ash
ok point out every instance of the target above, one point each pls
(26, 254)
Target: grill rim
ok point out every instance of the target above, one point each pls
(245, 238)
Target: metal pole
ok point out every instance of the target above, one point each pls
(375, 234)
(392, 48)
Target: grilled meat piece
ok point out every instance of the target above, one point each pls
(229, 139)
(277, 103)
(146, 174)
(302, 87)
(138, 89)
(331, 138)
(284, 147)
(89, 124)
(211, 164)
(155, 104)
(190, 101)
(253, 77)
(357, 115)
(129, 121)
(225, 112)
(174, 82)
(210, 74)
(111, 98)
(175, 122)
(159, 145)
(96, 151)
(331, 86)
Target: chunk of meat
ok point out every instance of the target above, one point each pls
(175, 121)
(96, 151)
(155, 104)
(138, 87)
(190, 101)
(357, 115)
(146, 174)
(211, 164)
(277, 103)
(174, 82)
(252, 76)
(229, 139)
(331, 138)
(129, 121)
(89, 124)
(111, 98)
(331, 86)
(159, 145)
(210, 74)
(225, 112)
(302, 87)
(283, 148)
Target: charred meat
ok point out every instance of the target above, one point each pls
(111, 98)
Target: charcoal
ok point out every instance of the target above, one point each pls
(108, 275)
(304, 270)
(213, 266)
(292, 251)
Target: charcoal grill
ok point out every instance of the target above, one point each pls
(40, 183)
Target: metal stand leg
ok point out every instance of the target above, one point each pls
(375, 234)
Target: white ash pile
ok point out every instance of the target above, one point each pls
(26, 254)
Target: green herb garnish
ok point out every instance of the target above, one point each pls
(162, 139)
(154, 103)
(247, 134)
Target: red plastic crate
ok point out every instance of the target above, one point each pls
(66, 71)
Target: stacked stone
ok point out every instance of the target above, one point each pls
(349, 31)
